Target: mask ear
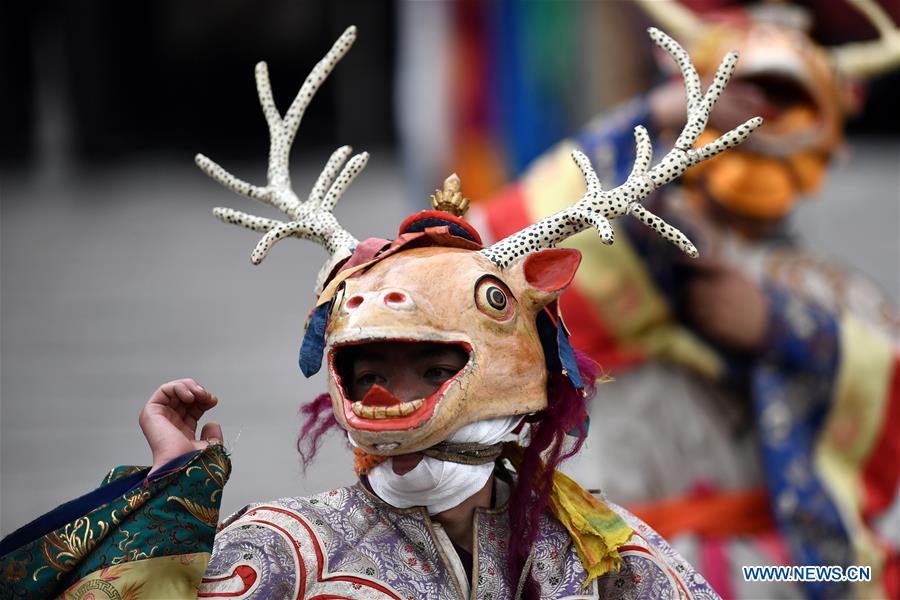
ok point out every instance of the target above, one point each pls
(544, 275)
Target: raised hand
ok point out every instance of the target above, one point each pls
(727, 306)
(170, 417)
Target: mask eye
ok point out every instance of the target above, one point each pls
(494, 299)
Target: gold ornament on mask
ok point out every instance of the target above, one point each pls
(450, 199)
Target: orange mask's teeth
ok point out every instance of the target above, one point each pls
(378, 396)
(402, 409)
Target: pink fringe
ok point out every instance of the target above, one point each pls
(319, 421)
(566, 410)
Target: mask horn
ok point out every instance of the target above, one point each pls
(598, 206)
(313, 219)
(867, 59)
(675, 18)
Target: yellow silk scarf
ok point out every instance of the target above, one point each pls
(596, 530)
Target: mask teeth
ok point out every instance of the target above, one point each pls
(403, 409)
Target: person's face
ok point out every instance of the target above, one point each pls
(408, 371)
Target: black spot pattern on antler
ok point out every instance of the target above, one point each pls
(312, 219)
(597, 207)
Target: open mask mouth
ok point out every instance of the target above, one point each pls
(779, 94)
(395, 384)
(794, 119)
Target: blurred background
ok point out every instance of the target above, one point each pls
(116, 277)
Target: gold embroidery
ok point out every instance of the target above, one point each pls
(204, 514)
(131, 554)
(132, 502)
(217, 468)
(65, 549)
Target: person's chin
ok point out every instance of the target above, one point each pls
(404, 463)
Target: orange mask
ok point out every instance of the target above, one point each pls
(789, 154)
(757, 186)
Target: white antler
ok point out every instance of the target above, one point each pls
(312, 219)
(676, 18)
(867, 59)
(596, 207)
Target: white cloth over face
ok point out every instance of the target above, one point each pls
(440, 485)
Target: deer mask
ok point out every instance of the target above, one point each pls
(436, 283)
(807, 86)
(777, 51)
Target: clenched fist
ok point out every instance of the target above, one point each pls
(169, 420)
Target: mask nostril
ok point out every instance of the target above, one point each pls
(354, 302)
(394, 298)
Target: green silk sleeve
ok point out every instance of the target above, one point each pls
(134, 537)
